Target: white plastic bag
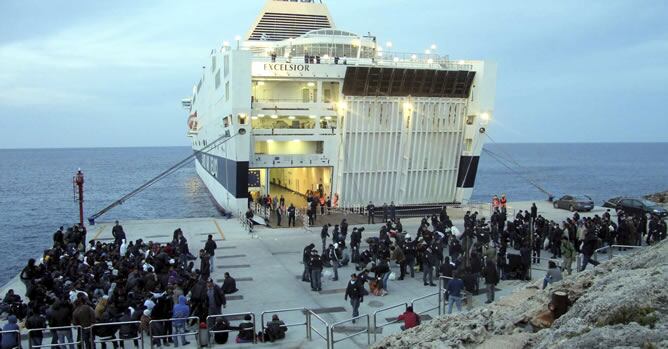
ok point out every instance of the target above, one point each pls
(456, 232)
(393, 276)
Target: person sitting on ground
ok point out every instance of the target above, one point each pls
(229, 284)
(409, 318)
(553, 274)
(274, 330)
(246, 330)
(221, 325)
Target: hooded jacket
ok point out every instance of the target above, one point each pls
(180, 310)
(9, 340)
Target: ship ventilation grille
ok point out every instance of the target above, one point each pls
(281, 26)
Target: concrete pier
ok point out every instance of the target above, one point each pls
(268, 269)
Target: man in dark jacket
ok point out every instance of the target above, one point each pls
(306, 258)
(588, 248)
(491, 280)
(370, 209)
(215, 297)
(315, 264)
(354, 292)
(229, 284)
(204, 266)
(83, 316)
(210, 248)
(291, 215)
(324, 234)
(35, 320)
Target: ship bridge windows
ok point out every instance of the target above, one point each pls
(285, 91)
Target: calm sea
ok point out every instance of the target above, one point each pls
(36, 194)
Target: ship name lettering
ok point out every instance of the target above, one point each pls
(286, 67)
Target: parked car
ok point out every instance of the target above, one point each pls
(612, 203)
(574, 203)
(641, 206)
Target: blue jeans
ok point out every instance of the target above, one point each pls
(386, 277)
(586, 260)
(178, 330)
(454, 300)
(355, 303)
(315, 279)
(212, 262)
(65, 336)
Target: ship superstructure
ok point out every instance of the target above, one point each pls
(299, 105)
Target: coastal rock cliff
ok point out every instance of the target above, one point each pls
(621, 303)
(661, 198)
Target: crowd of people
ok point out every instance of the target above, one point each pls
(131, 283)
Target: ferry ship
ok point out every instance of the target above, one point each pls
(299, 105)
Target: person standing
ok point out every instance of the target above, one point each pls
(210, 248)
(315, 264)
(386, 212)
(279, 215)
(355, 294)
(204, 264)
(215, 297)
(118, 234)
(334, 259)
(324, 234)
(291, 215)
(393, 211)
(568, 253)
(588, 247)
(398, 256)
(455, 287)
(370, 209)
(306, 259)
(83, 316)
(491, 280)
(180, 313)
(428, 263)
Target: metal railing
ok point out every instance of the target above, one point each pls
(375, 318)
(289, 310)
(17, 333)
(466, 296)
(366, 330)
(78, 334)
(438, 306)
(209, 323)
(611, 249)
(310, 329)
(167, 336)
(138, 336)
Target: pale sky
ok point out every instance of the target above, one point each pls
(112, 73)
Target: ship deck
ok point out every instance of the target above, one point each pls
(268, 268)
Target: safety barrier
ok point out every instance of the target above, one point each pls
(164, 336)
(278, 311)
(77, 334)
(310, 329)
(438, 306)
(382, 325)
(334, 325)
(611, 250)
(213, 317)
(17, 333)
(138, 336)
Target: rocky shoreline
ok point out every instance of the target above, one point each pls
(621, 303)
(661, 197)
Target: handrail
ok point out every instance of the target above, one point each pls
(311, 329)
(191, 333)
(18, 336)
(230, 330)
(375, 320)
(438, 293)
(612, 248)
(367, 330)
(138, 336)
(76, 342)
(302, 310)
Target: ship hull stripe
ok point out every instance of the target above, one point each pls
(468, 168)
(232, 175)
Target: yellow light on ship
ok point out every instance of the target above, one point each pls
(430, 61)
(427, 51)
(355, 42)
(226, 43)
(237, 37)
(291, 117)
(274, 116)
(461, 61)
(270, 140)
(433, 46)
(260, 115)
(296, 140)
(408, 105)
(260, 83)
(311, 116)
(253, 117)
(379, 54)
(395, 59)
(414, 57)
(342, 105)
(310, 84)
(328, 118)
(388, 44)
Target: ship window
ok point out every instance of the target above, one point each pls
(227, 91)
(226, 65)
(468, 144)
(217, 79)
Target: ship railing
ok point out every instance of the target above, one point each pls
(211, 320)
(54, 330)
(16, 333)
(376, 325)
(334, 326)
(157, 337)
(137, 338)
(385, 58)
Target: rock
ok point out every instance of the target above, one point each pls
(661, 197)
(620, 303)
